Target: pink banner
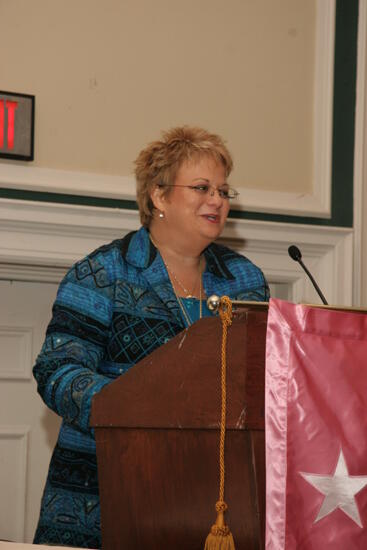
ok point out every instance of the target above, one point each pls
(316, 428)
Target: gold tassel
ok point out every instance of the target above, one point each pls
(220, 537)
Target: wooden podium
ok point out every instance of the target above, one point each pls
(157, 434)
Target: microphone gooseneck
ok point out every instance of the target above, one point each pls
(295, 253)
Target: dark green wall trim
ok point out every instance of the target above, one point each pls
(345, 70)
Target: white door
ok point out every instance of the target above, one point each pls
(28, 430)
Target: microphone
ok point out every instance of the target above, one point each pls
(296, 255)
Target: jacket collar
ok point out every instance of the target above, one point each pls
(142, 253)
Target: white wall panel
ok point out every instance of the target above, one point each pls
(16, 352)
(257, 116)
(13, 468)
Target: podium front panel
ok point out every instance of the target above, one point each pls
(157, 435)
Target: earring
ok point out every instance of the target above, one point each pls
(161, 215)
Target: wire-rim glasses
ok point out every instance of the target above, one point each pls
(226, 193)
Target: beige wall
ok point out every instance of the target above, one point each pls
(109, 75)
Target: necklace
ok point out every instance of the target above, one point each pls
(185, 313)
(182, 306)
(188, 294)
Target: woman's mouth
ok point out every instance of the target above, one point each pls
(212, 218)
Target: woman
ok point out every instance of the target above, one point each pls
(124, 300)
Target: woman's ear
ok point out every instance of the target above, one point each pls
(158, 198)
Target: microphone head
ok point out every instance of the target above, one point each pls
(295, 253)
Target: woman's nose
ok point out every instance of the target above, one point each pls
(214, 196)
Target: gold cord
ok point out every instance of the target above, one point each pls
(220, 535)
(225, 313)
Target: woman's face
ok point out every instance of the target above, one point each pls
(191, 208)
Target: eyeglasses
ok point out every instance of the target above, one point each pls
(227, 193)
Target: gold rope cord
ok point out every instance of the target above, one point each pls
(226, 316)
(220, 536)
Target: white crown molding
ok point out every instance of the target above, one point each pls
(39, 241)
(315, 204)
(327, 252)
(56, 235)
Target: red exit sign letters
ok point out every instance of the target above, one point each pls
(17, 126)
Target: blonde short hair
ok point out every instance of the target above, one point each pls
(160, 161)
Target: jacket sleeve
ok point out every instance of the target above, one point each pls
(66, 369)
(256, 287)
(266, 297)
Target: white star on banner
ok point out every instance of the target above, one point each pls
(339, 490)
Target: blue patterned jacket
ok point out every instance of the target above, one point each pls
(113, 308)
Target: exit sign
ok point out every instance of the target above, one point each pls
(16, 126)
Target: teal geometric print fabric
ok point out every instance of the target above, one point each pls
(112, 309)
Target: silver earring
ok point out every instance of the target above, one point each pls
(161, 215)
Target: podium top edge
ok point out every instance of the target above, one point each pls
(249, 303)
